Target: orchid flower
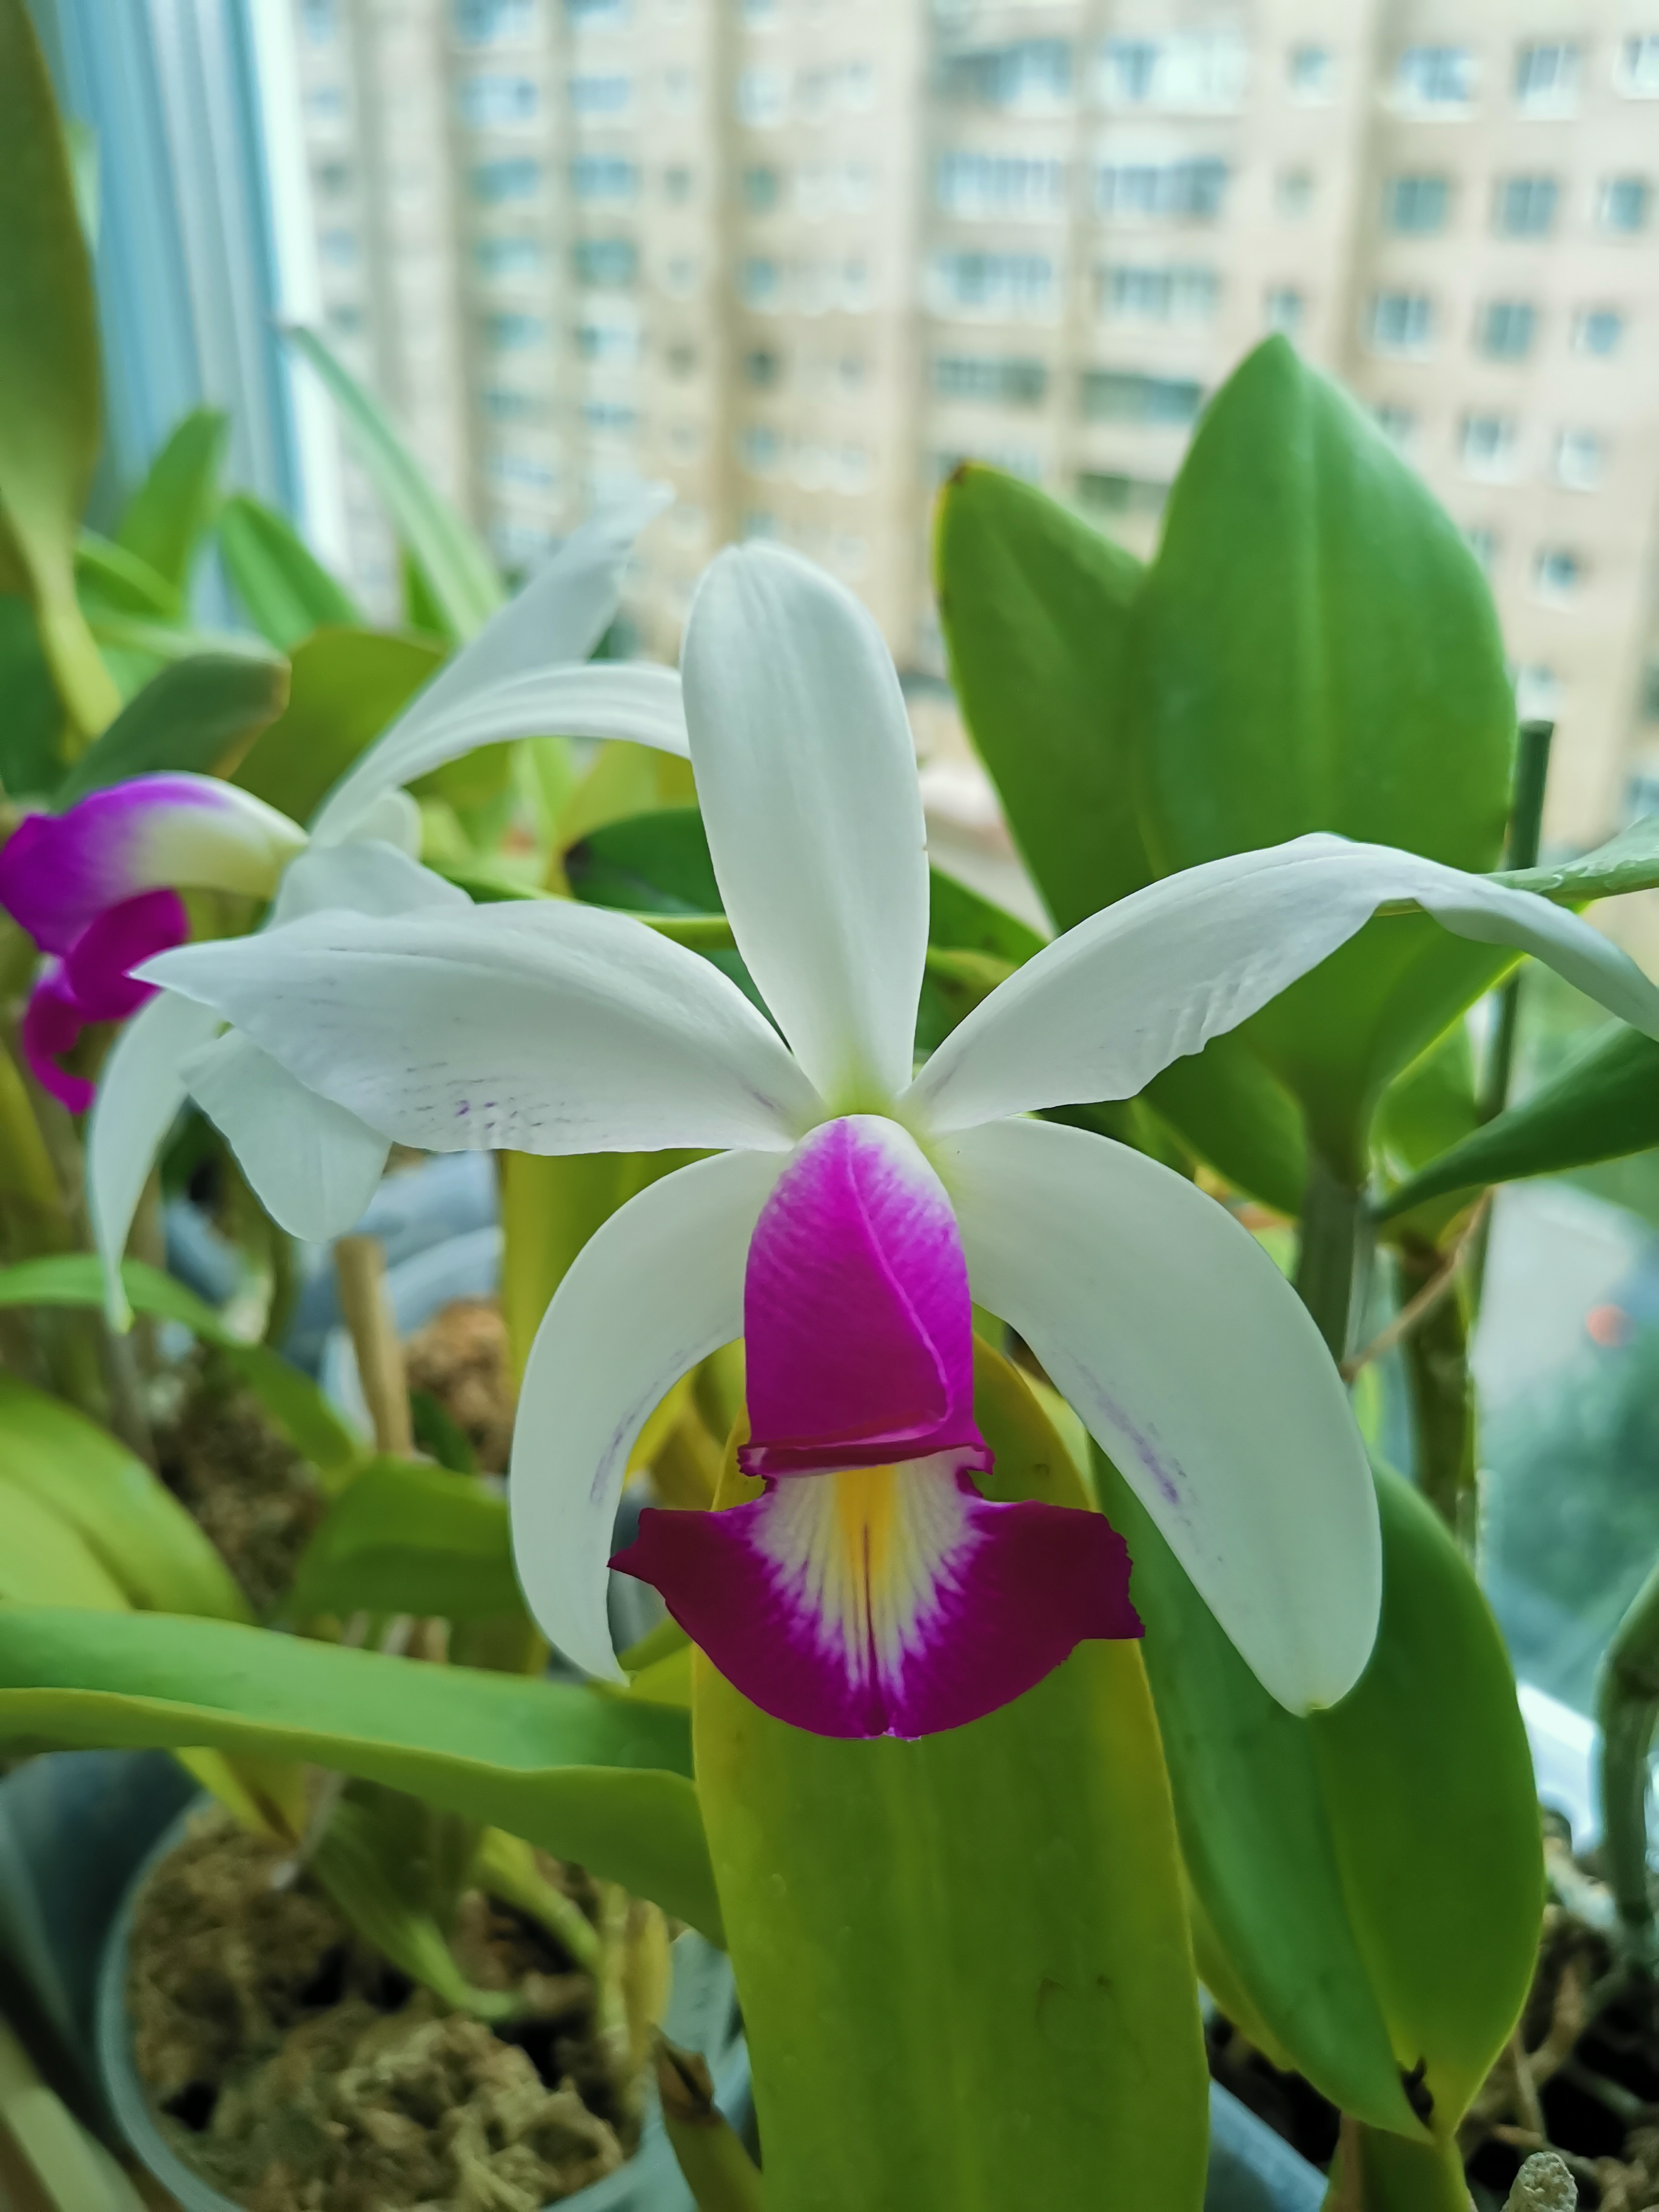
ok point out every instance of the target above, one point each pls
(851, 1211)
(97, 887)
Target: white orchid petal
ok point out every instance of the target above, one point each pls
(140, 1089)
(1194, 1362)
(657, 1289)
(1100, 1010)
(552, 624)
(313, 1165)
(807, 778)
(393, 819)
(370, 878)
(538, 1027)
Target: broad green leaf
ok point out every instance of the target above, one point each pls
(172, 511)
(1315, 649)
(197, 715)
(345, 686)
(964, 1961)
(404, 1538)
(600, 1780)
(1628, 862)
(113, 578)
(49, 382)
(422, 610)
(285, 592)
(622, 782)
(1298, 1834)
(30, 714)
(45, 1559)
(964, 919)
(478, 779)
(292, 1399)
(1601, 1106)
(126, 1516)
(654, 863)
(1234, 1112)
(1034, 607)
(457, 571)
(1425, 1112)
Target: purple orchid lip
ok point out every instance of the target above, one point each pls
(887, 1601)
(857, 1319)
(871, 1589)
(92, 984)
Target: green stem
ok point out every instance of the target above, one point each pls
(1437, 1356)
(1628, 1701)
(1334, 1245)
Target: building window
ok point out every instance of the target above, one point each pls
(1598, 330)
(1397, 424)
(1483, 543)
(1179, 295)
(611, 416)
(493, 183)
(1031, 73)
(493, 22)
(1537, 692)
(1401, 322)
(1199, 72)
(1415, 205)
(602, 177)
(617, 342)
(762, 98)
(760, 282)
(1110, 493)
(503, 404)
(676, 183)
(1311, 72)
(1638, 66)
(605, 261)
(507, 257)
(606, 95)
(1488, 445)
(1009, 380)
(761, 189)
(1130, 66)
(1293, 191)
(597, 14)
(997, 283)
(1525, 207)
(512, 333)
(1578, 459)
(1507, 329)
(1621, 203)
(321, 19)
(1282, 309)
(338, 248)
(489, 103)
(1000, 184)
(1436, 76)
(1174, 190)
(1547, 77)
(1557, 574)
(762, 368)
(333, 178)
(759, 447)
(344, 320)
(520, 472)
(1117, 395)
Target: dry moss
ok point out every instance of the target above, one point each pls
(461, 1358)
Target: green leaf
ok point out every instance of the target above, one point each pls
(127, 1518)
(114, 580)
(195, 715)
(962, 919)
(30, 716)
(457, 572)
(1601, 1106)
(654, 863)
(402, 1538)
(1034, 607)
(964, 1962)
(440, 1435)
(600, 1780)
(1315, 649)
(1372, 1876)
(345, 686)
(285, 592)
(172, 511)
(43, 1558)
(49, 387)
(292, 1399)
(1628, 862)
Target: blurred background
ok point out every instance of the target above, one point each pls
(799, 258)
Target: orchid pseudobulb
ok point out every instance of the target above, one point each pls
(98, 887)
(853, 1206)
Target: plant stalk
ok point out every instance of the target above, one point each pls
(1334, 1246)
(359, 1268)
(1442, 1391)
(1627, 1705)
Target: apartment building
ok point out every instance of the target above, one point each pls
(798, 257)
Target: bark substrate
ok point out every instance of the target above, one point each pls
(1581, 2077)
(461, 1359)
(295, 2070)
(254, 1496)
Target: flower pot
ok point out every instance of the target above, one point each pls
(1251, 2169)
(702, 2016)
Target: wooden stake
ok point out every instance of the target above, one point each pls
(360, 1270)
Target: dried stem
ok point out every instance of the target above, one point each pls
(1423, 1302)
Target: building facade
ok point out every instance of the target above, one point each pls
(799, 257)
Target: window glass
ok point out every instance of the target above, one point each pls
(1284, 308)
(1436, 76)
(1312, 73)
(1622, 202)
(1578, 458)
(1547, 75)
(1185, 190)
(1117, 395)
(1525, 207)
(493, 22)
(1598, 330)
(1416, 204)
(1401, 322)
(1507, 329)
(1556, 571)
(603, 261)
(492, 102)
(603, 177)
(495, 183)
(1487, 444)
